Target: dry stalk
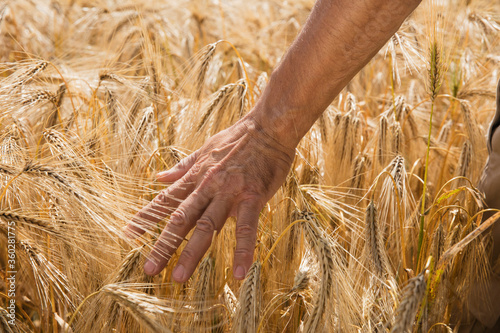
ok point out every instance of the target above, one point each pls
(399, 107)
(29, 74)
(435, 70)
(206, 57)
(62, 149)
(464, 164)
(143, 308)
(129, 264)
(5, 326)
(39, 170)
(37, 97)
(220, 98)
(437, 245)
(203, 284)
(141, 133)
(382, 140)
(247, 315)
(323, 251)
(397, 138)
(375, 243)
(230, 300)
(27, 220)
(397, 170)
(46, 274)
(413, 294)
(361, 163)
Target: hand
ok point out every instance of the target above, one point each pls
(233, 174)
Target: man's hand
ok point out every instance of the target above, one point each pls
(239, 169)
(234, 174)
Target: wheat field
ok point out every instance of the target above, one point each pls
(377, 228)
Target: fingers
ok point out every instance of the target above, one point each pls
(161, 206)
(212, 220)
(180, 223)
(179, 170)
(246, 235)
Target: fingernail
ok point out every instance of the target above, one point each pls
(149, 267)
(239, 272)
(178, 273)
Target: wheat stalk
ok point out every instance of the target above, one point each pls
(300, 282)
(464, 164)
(32, 168)
(37, 97)
(129, 264)
(397, 171)
(230, 300)
(5, 326)
(397, 138)
(27, 220)
(60, 148)
(361, 164)
(375, 242)
(203, 282)
(206, 57)
(435, 70)
(437, 244)
(323, 251)
(144, 308)
(30, 73)
(413, 294)
(220, 98)
(141, 132)
(382, 140)
(247, 314)
(46, 274)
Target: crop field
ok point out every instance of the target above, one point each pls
(379, 226)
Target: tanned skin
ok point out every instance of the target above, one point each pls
(239, 169)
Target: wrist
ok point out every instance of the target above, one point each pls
(285, 109)
(275, 123)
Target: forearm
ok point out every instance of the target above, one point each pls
(338, 39)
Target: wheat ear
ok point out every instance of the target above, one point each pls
(248, 313)
(413, 294)
(323, 251)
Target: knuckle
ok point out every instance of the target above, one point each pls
(178, 218)
(251, 199)
(211, 173)
(162, 198)
(214, 153)
(244, 231)
(244, 254)
(164, 248)
(195, 169)
(187, 255)
(206, 225)
(186, 161)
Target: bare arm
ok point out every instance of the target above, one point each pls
(337, 41)
(239, 169)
